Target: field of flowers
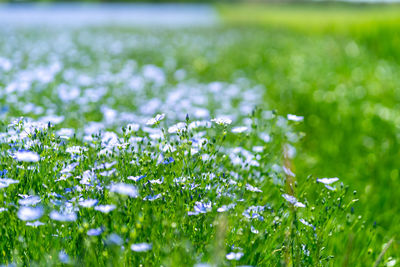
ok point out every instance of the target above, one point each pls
(221, 146)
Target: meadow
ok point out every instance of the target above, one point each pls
(270, 139)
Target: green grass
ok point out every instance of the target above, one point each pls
(339, 69)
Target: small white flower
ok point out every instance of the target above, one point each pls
(114, 239)
(288, 171)
(293, 201)
(224, 208)
(26, 156)
(234, 256)
(141, 247)
(156, 119)
(124, 189)
(35, 223)
(29, 200)
(307, 223)
(63, 257)
(88, 203)
(327, 180)
(252, 188)
(222, 121)
(5, 182)
(63, 216)
(254, 230)
(95, 232)
(29, 213)
(76, 149)
(105, 208)
(292, 117)
(240, 129)
(180, 126)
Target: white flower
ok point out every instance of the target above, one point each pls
(327, 180)
(63, 217)
(156, 119)
(105, 208)
(124, 189)
(29, 213)
(95, 232)
(29, 200)
(114, 239)
(26, 156)
(222, 121)
(224, 208)
(293, 201)
(5, 182)
(234, 256)
(141, 247)
(180, 126)
(63, 257)
(88, 203)
(35, 223)
(252, 188)
(240, 129)
(76, 149)
(307, 223)
(292, 117)
(288, 171)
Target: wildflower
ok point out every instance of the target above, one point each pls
(288, 171)
(152, 198)
(222, 121)
(292, 117)
(114, 239)
(63, 257)
(88, 203)
(105, 208)
(29, 200)
(293, 201)
(327, 180)
(124, 189)
(65, 133)
(63, 216)
(254, 230)
(224, 208)
(234, 256)
(35, 223)
(168, 161)
(136, 178)
(95, 232)
(180, 126)
(156, 119)
(306, 223)
(26, 156)
(141, 247)
(265, 137)
(201, 207)
(5, 182)
(30, 213)
(240, 129)
(253, 212)
(252, 188)
(76, 149)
